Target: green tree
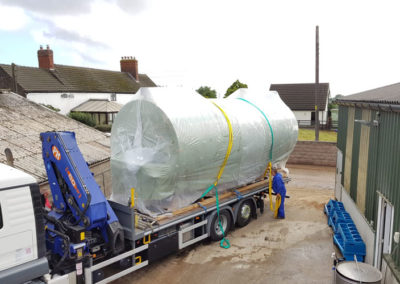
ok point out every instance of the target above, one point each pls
(85, 118)
(103, 127)
(333, 101)
(207, 92)
(236, 85)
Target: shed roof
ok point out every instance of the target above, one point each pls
(386, 95)
(302, 96)
(76, 79)
(22, 121)
(98, 105)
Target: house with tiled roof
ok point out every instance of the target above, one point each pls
(22, 121)
(300, 98)
(65, 87)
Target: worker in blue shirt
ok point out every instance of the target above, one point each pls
(278, 186)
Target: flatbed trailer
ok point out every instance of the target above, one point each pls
(170, 233)
(146, 239)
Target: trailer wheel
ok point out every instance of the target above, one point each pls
(226, 221)
(244, 213)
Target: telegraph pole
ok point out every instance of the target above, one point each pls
(316, 88)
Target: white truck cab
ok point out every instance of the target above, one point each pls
(22, 238)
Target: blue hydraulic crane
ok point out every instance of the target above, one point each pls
(82, 217)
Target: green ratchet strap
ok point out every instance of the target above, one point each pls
(224, 242)
(268, 170)
(269, 124)
(270, 128)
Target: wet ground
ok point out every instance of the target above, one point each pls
(294, 250)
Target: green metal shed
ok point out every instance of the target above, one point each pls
(369, 140)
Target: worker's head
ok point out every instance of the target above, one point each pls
(274, 170)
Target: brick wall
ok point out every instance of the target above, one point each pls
(314, 153)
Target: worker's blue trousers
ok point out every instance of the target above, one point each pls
(281, 210)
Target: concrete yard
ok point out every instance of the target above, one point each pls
(294, 250)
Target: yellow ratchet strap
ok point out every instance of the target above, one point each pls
(228, 151)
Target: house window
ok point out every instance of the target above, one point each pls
(113, 97)
(67, 96)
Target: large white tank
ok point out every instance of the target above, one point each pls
(169, 144)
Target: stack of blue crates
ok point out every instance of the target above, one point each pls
(331, 207)
(346, 235)
(340, 217)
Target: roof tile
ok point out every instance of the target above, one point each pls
(94, 105)
(302, 96)
(76, 79)
(388, 94)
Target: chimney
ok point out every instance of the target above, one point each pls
(45, 57)
(129, 64)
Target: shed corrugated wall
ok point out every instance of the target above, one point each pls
(388, 166)
(371, 204)
(349, 150)
(342, 135)
(363, 161)
(355, 153)
(372, 162)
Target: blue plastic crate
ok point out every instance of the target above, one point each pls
(349, 256)
(340, 217)
(338, 240)
(333, 206)
(346, 235)
(352, 241)
(330, 208)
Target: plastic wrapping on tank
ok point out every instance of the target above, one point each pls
(169, 144)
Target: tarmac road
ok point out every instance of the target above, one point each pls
(294, 250)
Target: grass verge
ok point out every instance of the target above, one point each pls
(324, 135)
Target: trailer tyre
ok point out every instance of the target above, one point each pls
(226, 221)
(244, 213)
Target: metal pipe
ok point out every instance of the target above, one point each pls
(316, 87)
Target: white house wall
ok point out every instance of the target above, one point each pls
(323, 117)
(302, 115)
(125, 98)
(305, 117)
(67, 101)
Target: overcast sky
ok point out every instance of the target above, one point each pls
(213, 42)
